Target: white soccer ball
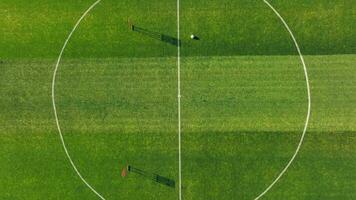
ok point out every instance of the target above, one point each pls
(192, 36)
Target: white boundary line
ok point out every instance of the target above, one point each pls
(309, 104)
(54, 102)
(178, 99)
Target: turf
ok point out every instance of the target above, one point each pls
(243, 99)
(38, 29)
(118, 111)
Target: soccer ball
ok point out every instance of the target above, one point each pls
(192, 36)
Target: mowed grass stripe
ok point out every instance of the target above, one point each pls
(226, 28)
(230, 148)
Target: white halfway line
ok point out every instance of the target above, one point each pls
(309, 104)
(178, 99)
(54, 102)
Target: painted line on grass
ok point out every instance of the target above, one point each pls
(54, 102)
(309, 104)
(178, 107)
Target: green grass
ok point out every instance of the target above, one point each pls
(244, 99)
(242, 119)
(38, 29)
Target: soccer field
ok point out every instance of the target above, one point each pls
(243, 100)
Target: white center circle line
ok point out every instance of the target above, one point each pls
(309, 104)
(54, 102)
(280, 174)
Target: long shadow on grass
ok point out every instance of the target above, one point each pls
(155, 35)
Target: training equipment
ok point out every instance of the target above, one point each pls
(124, 172)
